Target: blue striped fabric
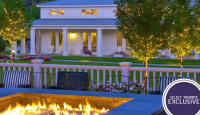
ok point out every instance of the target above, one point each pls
(14, 78)
(165, 81)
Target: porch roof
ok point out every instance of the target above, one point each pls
(74, 22)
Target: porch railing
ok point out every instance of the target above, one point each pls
(98, 73)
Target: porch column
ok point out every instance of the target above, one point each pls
(65, 42)
(99, 42)
(123, 44)
(32, 41)
(197, 56)
(15, 47)
(38, 40)
(23, 46)
(89, 41)
(57, 42)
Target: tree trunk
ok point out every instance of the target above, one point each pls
(11, 44)
(181, 61)
(145, 76)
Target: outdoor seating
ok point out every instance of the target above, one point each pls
(73, 80)
(60, 50)
(50, 50)
(165, 81)
(18, 79)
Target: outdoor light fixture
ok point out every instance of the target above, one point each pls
(72, 34)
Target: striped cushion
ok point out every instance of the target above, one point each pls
(14, 78)
(165, 81)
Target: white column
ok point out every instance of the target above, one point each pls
(37, 40)
(32, 41)
(99, 42)
(89, 41)
(23, 46)
(172, 56)
(197, 56)
(57, 42)
(123, 44)
(124, 70)
(65, 42)
(37, 78)
(15, 47)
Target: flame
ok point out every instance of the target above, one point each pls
(53, 108)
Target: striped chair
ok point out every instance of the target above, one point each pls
(20, 79)
(165, 81)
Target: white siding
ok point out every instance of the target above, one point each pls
(109, 41)
(76, 13)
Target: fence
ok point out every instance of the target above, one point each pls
(98, 73)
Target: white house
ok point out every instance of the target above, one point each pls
(74, 25)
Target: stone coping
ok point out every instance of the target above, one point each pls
(142, 104)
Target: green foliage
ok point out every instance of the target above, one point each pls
(197, 40)
(2, 44)
(145, 25)
(183, 33)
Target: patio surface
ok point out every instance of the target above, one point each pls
(142, 104)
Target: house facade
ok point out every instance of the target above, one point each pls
(74, 25)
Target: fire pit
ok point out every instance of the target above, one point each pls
(53, 104)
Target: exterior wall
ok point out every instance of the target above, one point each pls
(76, 13)
(75, 44)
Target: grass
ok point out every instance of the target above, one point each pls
(101, 71)
(8, 45)
(7, 52)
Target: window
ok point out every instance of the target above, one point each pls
(94, 42)
(93, 11)
(60, 12)
(119, 39)
(53, 37)
(60, 39)
(85, 40)
(52, 12)
(85, 11)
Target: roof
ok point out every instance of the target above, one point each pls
(74, 22)
(79, 2)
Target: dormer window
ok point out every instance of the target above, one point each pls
(52, 12)
(85, 11)
(60, 12)
(93, 11)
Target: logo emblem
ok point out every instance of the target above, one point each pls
(182, 97)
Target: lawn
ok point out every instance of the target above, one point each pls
(7, 52)
(133, 60)
(101, 71)
(8, 45)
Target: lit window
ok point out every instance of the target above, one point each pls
(119, 39)
(93, 11)
(85, 11)
(116, 11)
(94, 41)
(85, 40)
(60, 12)
(52, 12)
(60, 39)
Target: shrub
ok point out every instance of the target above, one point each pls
(2, 44)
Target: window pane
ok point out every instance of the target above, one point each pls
(53, 37)
(60, 39)
(93, 11)
(85, 40)
(94, 42)
(119, 39)
(61, 12)
(85, 11)
(52, 12)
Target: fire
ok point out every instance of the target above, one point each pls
(53, 108)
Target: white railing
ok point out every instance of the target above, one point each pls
(98, 73)
(137, 73)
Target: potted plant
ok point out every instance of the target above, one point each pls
(119, 54)
(86, 52)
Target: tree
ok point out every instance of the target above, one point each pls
(183, 30)
(145, 26)
(13, 21)
(2, 44)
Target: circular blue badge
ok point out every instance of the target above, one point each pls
(182, 97)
